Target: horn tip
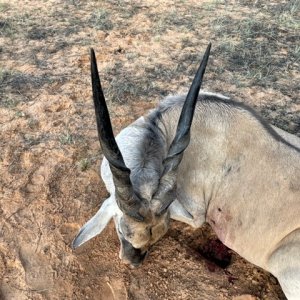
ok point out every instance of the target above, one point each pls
(92, 54)
(208, 48)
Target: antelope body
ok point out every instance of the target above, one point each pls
(228, 168)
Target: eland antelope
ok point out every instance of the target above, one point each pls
(228, 168)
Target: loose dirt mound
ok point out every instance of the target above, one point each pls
(49, 182)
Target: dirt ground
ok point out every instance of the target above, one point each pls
(50, 155)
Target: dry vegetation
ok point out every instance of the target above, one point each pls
(49, 183)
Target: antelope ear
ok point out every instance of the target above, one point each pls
(179, 213)
(97, 223)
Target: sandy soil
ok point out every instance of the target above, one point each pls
(49, 158)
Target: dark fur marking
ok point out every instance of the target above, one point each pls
(151, 152)
(133, 255)
(255, 114)
(229, 102)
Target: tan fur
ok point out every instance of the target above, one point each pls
(259, 197)
(245, 184)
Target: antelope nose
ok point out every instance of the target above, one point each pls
(131, 255)
(138, 260)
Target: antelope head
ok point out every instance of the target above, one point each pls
(139, 222)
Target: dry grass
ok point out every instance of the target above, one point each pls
(258, 51)
(102, 20)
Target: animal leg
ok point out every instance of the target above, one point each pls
(284, 263)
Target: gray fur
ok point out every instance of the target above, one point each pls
(238, 173)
